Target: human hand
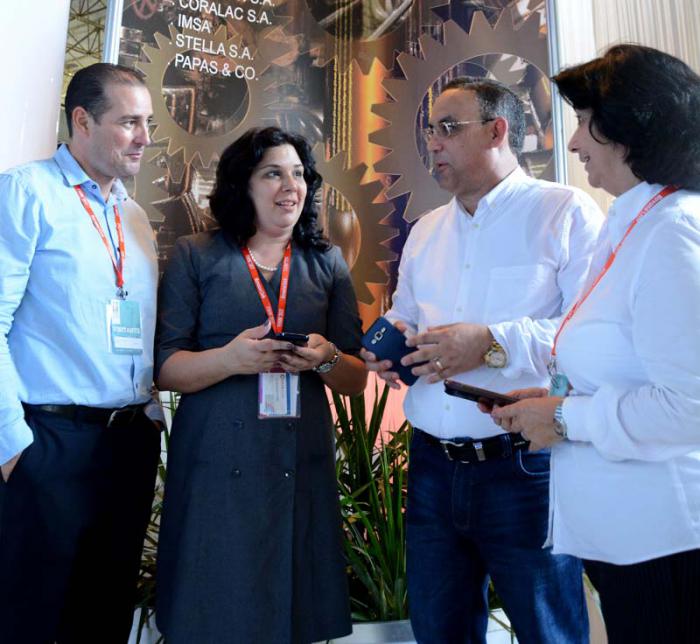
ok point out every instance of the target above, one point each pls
(448, 349)
(317, 351)
(7, 468)
(383, 367)
(533, 417)
(252, 352)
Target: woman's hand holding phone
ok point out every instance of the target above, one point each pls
(316, 351)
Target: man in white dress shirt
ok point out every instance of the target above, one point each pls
(482, 281)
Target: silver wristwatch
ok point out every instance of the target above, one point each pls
(559, 424)
(325, 367)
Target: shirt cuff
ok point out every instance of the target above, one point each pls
(574, 412)
(14, 438)
(510, 371)
(153, 410)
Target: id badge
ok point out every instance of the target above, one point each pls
(124, 327)
(278, 395)
(559, 385)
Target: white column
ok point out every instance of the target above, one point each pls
(576, 44)
(32, 51)
(113, 23)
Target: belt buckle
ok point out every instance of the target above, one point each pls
(125, 414)
(444, 444)
(446, 448)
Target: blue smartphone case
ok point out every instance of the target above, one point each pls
(386, 342)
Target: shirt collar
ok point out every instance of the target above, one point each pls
(74, 174)
(495, 197)
(627, 206)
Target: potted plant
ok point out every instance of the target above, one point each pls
(371, 469)
(371, 475)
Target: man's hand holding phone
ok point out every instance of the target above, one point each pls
(384, 345)
(383, 367)
(448, 349)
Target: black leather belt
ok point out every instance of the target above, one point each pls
(478, 450)
(107, 417)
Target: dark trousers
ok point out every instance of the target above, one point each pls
(466, 523)
(653, 602)
(72, 521)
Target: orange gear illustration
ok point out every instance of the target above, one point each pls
(364, 260)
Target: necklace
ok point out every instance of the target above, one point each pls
(272, 269)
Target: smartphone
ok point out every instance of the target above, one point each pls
(386, 342)
(297, 339)
(487, 398)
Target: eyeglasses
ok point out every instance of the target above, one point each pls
(446, 129)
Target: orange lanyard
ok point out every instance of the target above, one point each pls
(117, 263)
(277, 325)
(668, 190)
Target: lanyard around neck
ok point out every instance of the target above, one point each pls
(277, 324)
(117, 262)
(662, 194)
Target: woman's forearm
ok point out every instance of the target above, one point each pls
(348, 377)
(191, 371)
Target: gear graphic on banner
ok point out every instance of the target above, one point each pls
(354, 221)
(399, 136)
(363, 30)
(148, 185)
(258, 95)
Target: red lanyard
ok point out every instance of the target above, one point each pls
(117, 264)
(277, 325)
(668, 190)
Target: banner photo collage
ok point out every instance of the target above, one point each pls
(355, 77)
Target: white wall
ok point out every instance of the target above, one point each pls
(588, 27)
(32, 50)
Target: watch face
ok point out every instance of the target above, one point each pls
(495, 359)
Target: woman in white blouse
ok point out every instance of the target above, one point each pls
(623, 414)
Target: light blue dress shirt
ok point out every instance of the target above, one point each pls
(56, 279)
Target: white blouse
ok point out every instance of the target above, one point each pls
(626, 486)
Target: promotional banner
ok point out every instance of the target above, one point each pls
(356, 77)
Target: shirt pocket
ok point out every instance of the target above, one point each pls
(517, 291)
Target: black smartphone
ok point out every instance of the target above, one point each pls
(484, 396)
(386, 342)
(297, 339)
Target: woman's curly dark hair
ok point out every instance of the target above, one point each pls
(647, 101)
(230, 202)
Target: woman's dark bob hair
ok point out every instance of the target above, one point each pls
(230, 202)
(647, 101)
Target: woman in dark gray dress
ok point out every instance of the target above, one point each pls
(250, 544)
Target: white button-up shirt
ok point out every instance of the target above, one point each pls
(514, 265)
(626, 486)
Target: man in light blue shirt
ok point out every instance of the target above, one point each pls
(78, 455)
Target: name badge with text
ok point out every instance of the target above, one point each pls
(124, 327)
(278, 395)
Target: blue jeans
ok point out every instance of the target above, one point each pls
(468, 522)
